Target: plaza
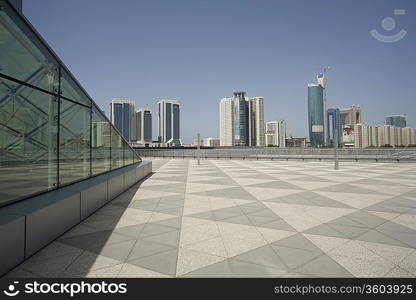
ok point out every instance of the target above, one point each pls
(246, 218)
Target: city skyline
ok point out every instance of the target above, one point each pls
(360, 63)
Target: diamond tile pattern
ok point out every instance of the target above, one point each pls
(247, 219)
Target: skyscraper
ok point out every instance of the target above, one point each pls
(169, 122)
(396, 120)
(334, 125)
(321, 80)
(242, 121)
(227, 122)
(256, 121)
(276, 133)
(316, 115)
(144, 126)
(123, 116)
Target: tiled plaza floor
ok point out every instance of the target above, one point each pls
(247, 219)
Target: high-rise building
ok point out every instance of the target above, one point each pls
(350, 115)
(169, 122)
(276, 133)
(396, 120)
(256, 121)
(144, 126)
(333, 126)
(123, 116)
(227, 122)
(316, 115)
(242, 121)
(321, 80)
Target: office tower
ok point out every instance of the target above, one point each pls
(316, 115)
(350, 115)
(276, 133)
(396, 120)
(123, 116)
(321, 80)
(333, 126)
(242, 121)
(144, 126)
(169, 122)
(227, 122)
(256, 121)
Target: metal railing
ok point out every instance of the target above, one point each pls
(265, 153)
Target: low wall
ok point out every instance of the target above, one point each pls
(29, 225)
(269, 153)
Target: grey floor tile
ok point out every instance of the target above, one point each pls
(249, 270)
(324, 266)
(221, 269)
(175, 222)
(325, 230)
(96, 239)
(152, 229)
(366, 218)
(293, 257)
(298, 241)
(164, 262)
(238, 220)
(349, 231)
(144, 248)
(119, 251)
(278, 224)
(131, 231)
(378, 237)
(260, 220)
(264, 256)
(170, 238)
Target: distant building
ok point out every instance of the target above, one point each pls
(396, 120)
(381, 136)
(296, 142)
(144, 126)
(211, 142)
(350, 115)
(333, 126)
(276, 133)
(256, 121)
(169, 123)
(242, 121)
(123, 117)
(316, 115)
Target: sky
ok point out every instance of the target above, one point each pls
(198, 52)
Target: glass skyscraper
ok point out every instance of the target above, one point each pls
(396, 120)
(334, 125)
(169, 122)
(144, 126)
(123, 116)
(316, 115)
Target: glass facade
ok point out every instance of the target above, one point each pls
(51, 132)
(316, 115)
(334, 125)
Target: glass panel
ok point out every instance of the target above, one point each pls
(71, 90)
(117, 150)
(74, 142)
(23, 56)
(28, 141)
(101, 143)
(128, 154)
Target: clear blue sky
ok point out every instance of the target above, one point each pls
(201, 51)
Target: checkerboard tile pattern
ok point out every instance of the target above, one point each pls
(246, 219)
